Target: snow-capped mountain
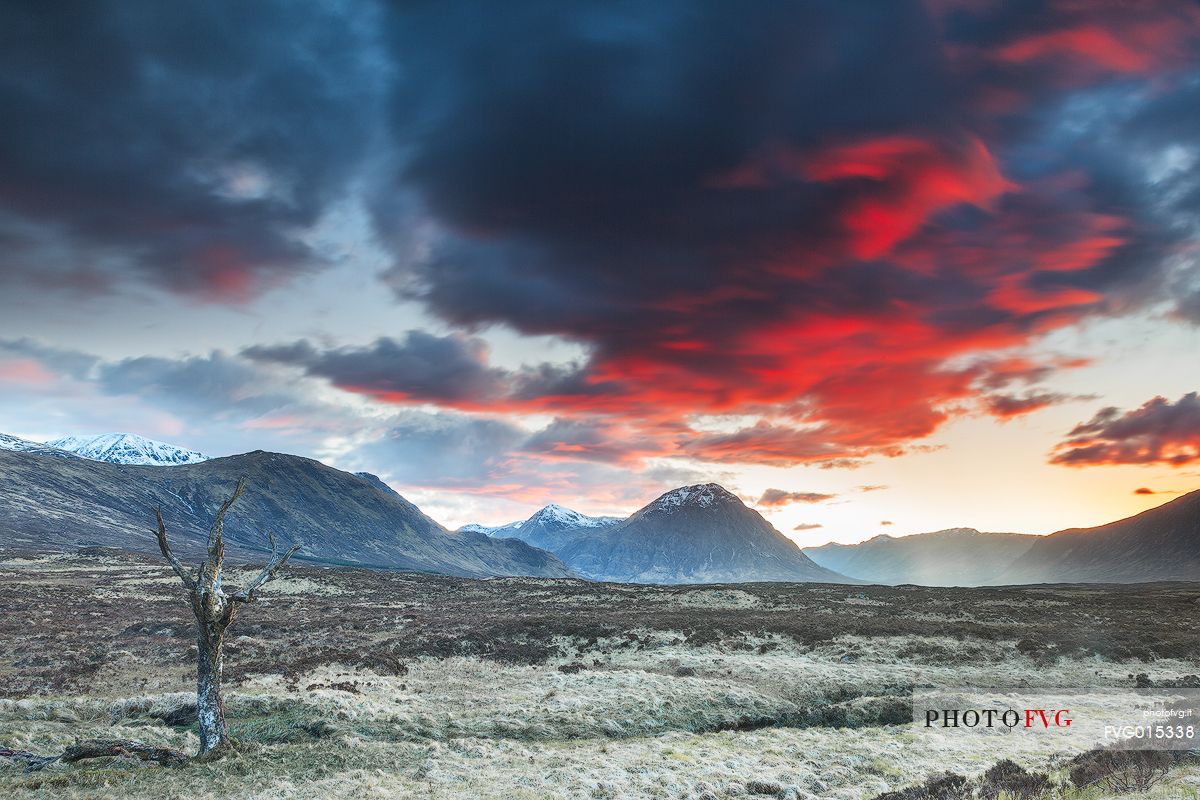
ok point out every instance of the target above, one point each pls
(474, 527)
(20, 445)
(552, 527)
(693, 534)
(127, 448)
(701, 495)
(557, 515)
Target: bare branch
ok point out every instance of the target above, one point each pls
(216, 546)
(275, 563)
(166, 551)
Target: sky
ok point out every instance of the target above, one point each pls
(879, 268)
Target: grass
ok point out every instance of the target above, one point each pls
(396, 685)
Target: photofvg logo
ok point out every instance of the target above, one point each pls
(1144, 719)
(991, 717)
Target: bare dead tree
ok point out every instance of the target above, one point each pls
(215, 609)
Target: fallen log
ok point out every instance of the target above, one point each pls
(99, 748)
(32, 761)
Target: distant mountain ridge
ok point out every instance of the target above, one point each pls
(1160, 544)
(127, 448)
(53, 503)
(951, 557)
(19, 445)
(78, 491)
(693, 534)
(551, 528)
(114, 448)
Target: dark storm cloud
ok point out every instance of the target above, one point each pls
(684, 187)
(586, 116)
(452, 369)
(587, 147)
(420, 366)
(586, 158)
(1159, 432)
(567, 382)
(184, 144)
(1166, 134)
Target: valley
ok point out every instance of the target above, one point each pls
(362, 683)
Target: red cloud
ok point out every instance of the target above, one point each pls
(1068, 44)
(1160, 432)
(775, 498)
(1007, 406)
(910, 180)
(900, 181)
(1090, 42)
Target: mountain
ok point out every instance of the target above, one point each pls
(953, 557)
(694, 534)
(552, 528)
(19, 445)
(1161, 544)
(127, 448)
(50, 503)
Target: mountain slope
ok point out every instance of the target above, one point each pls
(377, 482)
(953, 557)
(54, 503)
(552, 528)
(695, 534)
(1161, 544)
(127, 448)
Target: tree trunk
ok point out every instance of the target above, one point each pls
(214, 609)
(210, 708)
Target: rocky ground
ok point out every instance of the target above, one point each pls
(356, 684)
